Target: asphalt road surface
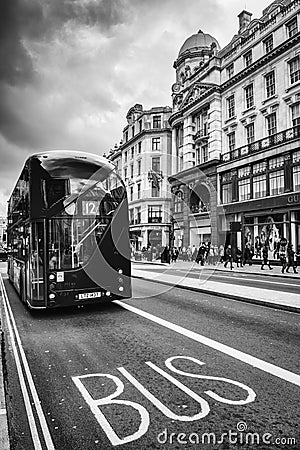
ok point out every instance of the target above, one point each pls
(167, 369)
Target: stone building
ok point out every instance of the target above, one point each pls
(143, 160)
(235, 133)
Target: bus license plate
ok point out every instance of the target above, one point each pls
(89, 295)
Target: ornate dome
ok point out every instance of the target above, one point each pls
(197, 41)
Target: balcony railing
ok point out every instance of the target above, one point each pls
(154, 219)
(197, 209)
(201, 134)
(291, 134)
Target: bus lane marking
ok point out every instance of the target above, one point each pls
(107, 427)
(17, 345)
(269, 368)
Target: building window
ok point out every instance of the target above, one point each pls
(178, 202)
(292, 27)
(268, 44)
(156, 122)
(131, 216)
(140, 125)
(270, 84)
(132, 152)
(271, 124)
(131, 170)
(296, 170)
(156, 144)
(259, 167)
(250, 133)
(295, 109)
(139, 190)
(230, 107)
(154, 214)
(131, 193)
(249, 96)
(230, 70)
(125, 173)
(244, 189)
(139, 165)
(248, 58)
(276, 163)
(231, 141)
(155, 190)
(133, 131)
(202, 154)
(294, 67)
(138, 215)
(125, 157)
(227, 193)
(126, 136)
(259, 186)
(155, 164)
(276, 180)
(139, 148)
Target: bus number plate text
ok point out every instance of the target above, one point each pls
(89, 295)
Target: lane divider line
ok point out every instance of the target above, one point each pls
(16, 342)
(284, 374)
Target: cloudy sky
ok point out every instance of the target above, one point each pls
(71, 69)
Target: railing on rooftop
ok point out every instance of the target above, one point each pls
(282, 137)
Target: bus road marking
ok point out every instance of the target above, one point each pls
(279, 372)
(17, 345)
(204, 410)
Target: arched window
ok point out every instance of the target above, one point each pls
(200, 199)
(178, 199)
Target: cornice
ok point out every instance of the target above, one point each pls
(286, 45)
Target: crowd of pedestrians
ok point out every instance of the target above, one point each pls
(210, 254)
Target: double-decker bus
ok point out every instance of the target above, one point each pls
(68, 236)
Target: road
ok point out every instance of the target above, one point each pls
(175, 368)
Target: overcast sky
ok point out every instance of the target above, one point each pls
(71, 69)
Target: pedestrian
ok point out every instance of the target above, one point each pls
(282, 257)
(174, 254)
(265, 257)
(201, 254)
(248, 255)
(291, 259)
(239, 262)
(221, 253)
(194, 253)
(165, 256)
(228, 256)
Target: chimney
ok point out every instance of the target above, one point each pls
(244, 20)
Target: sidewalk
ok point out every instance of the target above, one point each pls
(168, 274)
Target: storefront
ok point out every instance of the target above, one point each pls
(265, 221)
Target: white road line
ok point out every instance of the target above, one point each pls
(14, 334)
(242, 278)
(237, 354)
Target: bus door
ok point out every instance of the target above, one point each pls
(35, 279)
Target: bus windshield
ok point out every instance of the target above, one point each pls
(81, 210)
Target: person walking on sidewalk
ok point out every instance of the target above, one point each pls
(265, 256)
(282, 257)
(228, 256)
(239, 262)
(291, 259)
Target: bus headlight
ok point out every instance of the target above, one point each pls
(120, 280)
(120, 270)
(121, 288)
(51, 276)
(108, 293)
(51, 296)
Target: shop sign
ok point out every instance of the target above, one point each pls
(295, 198)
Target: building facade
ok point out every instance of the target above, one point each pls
(143, 160)
(235, 133)
(3, 226)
